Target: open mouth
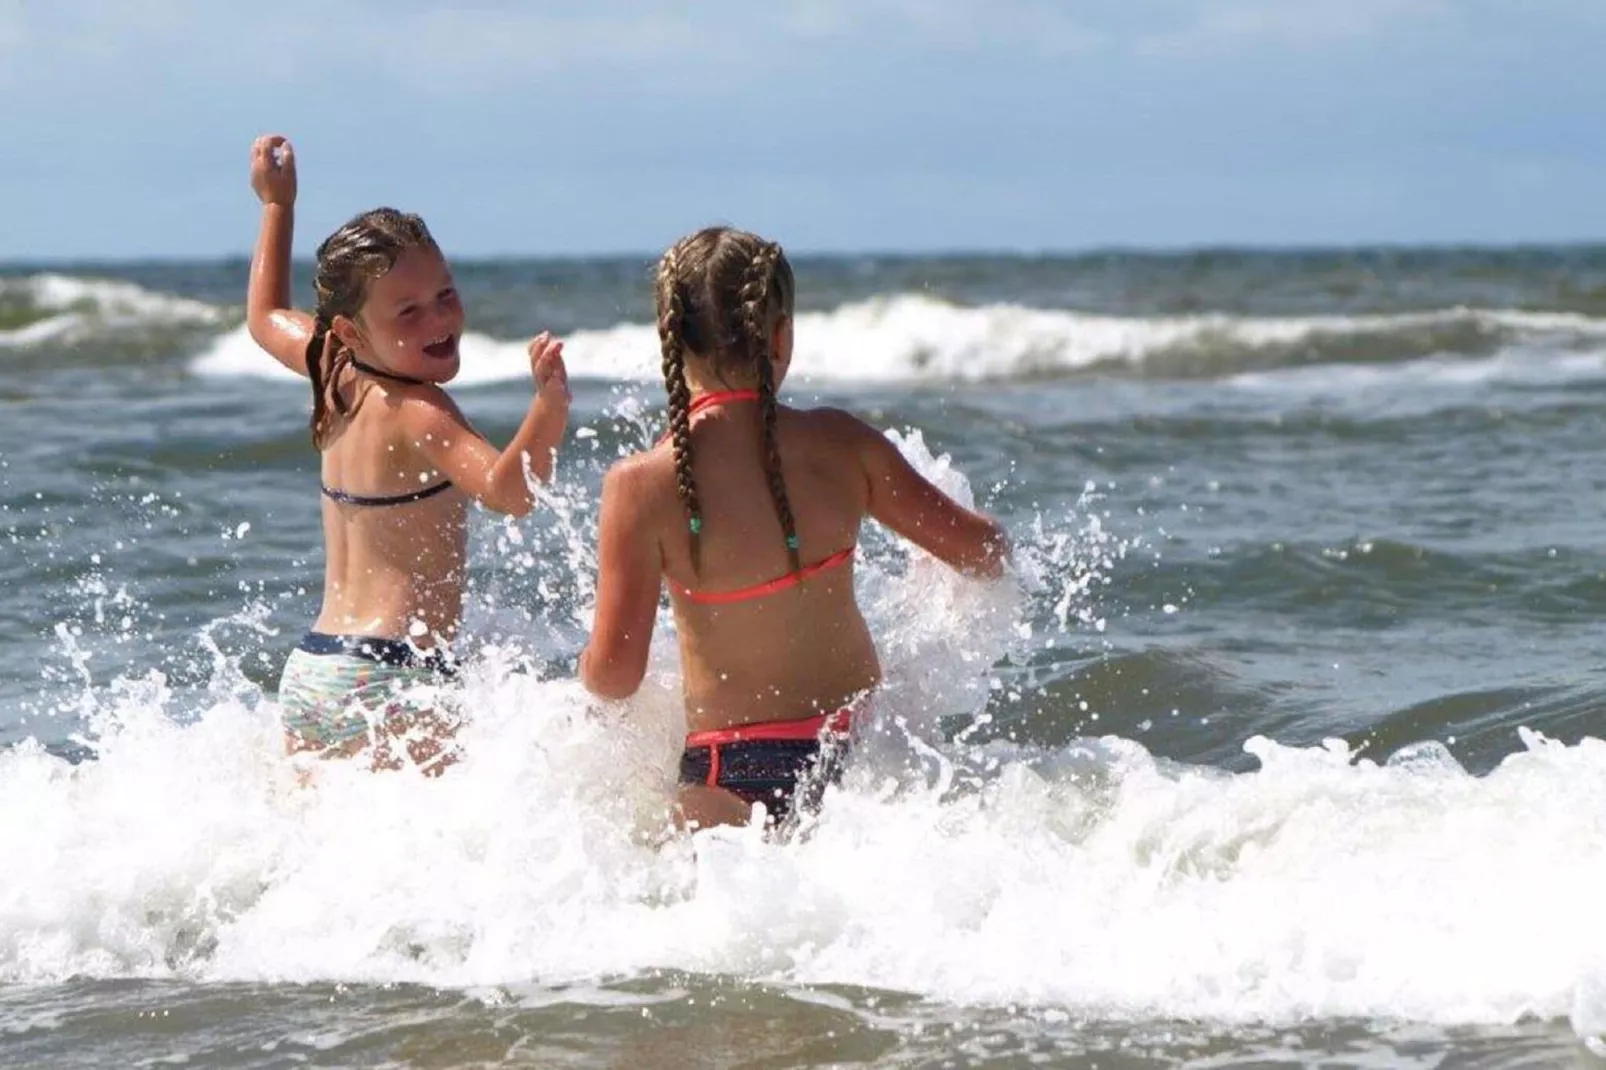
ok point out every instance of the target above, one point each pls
(442, 348)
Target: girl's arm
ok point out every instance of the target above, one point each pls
(274, 325)
(629, 578)
(907, 502)
(494, 478)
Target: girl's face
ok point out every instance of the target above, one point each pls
(412, 319)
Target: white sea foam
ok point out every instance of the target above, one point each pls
(1094, 878)
(75, 306)
(912, 338)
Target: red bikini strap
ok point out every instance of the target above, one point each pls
(719, 397)
(713, 400)
(837, 722)
(758, 590)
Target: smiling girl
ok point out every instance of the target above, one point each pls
(399, 466)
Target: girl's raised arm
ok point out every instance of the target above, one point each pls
(274, 325)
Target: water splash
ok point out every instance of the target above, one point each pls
(1091, 878)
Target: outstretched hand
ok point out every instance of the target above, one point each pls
(547, 368)
(273, 170)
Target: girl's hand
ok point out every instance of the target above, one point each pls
(273, 170)
(547, 368)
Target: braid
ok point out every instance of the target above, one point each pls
(671, 330)
(756, 298)
(317, 353)
(772, 464)
(327, 357)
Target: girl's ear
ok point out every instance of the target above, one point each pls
(781, 347)
(345, 329)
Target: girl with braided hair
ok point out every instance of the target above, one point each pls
(751, 510)
(399, 463)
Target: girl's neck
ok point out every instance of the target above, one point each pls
(709, 384)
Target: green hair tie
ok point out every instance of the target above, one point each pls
(791, 542)
(696, 525)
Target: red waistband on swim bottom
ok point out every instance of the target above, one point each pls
(808, 728)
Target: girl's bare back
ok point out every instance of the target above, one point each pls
(749, 654)
(395, 530)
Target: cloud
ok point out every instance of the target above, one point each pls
(345, 47)
(1042, 27)
(1230, 26)
(447, 49)
(452, 50)
(13, 33)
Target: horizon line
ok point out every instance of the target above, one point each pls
(869, 253)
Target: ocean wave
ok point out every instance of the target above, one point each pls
(906, 338)
(1091, 877)
(1376, 582)
(911, 338)
(1085, 874)
(49, 307)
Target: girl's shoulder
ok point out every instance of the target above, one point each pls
(827, 420)
(647, 475)
(834, 429)
(640, 493)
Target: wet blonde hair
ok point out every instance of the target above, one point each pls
(721, 294)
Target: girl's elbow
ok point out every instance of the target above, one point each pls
(994, 553)
(541, 465)
(607, 679)
(515, 501)
(990, 567)
(257, 327)
(612, 690)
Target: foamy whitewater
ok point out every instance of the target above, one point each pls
(1089, 877)
(1281, 741)
(78, 308)
(909, 337)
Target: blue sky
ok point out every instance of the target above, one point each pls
(603, 125)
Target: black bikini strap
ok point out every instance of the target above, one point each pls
(380, 373)
(386, 499)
